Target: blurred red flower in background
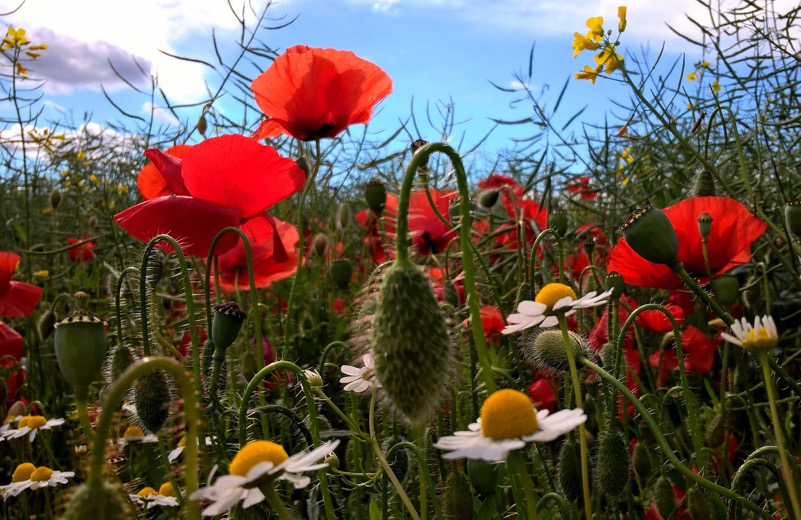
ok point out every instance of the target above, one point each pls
(656, 321)
(313, 93)
(581, 185)
(82, 252)
(17, 299)
(380, 252)
(699, 354)
(429, 234)
(10, 344)
(541, 394)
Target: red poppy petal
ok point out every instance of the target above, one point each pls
(8, 262)
(19, 299)
(268, 128)
(153, 178)
(170, 169)
(11, 342)
(238, 172)
(192, 222)
(638, 271)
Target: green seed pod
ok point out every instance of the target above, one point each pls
(558, 222)
(320, 244)
(202, 125)
(792, 212)
(664, 497)
(488, 198)
(612, 467)
(225, 326)
(704, 224)
(726, 289)
(545, 349)
(569, 470)
(80, 344)
(344, 216)
(152, 399)
(105, 501)
(614, 281)
(641, 461)
(410, 343)
(651, 235)
(483, 476)
(55, 198)
(341, 271)
(47, 324)
(697, 505)
(704, 184)
(457, 503)
(375, 194)
(121, 359)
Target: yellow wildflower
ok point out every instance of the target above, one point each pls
(610, 58)
(589, 73)
(40, 47)
(690, 106)
(715, 86)
(122, 189)
(44, 273)
(596, 26)
(692, 76)
(704, 65)
(94, 178)
(583, 43)
(33, 55)
(621, 14)
(21, 71)
(15, 38)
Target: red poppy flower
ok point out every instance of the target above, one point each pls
(82, 252)
(268, 267)
(186, 339)
(379, 251)
(339, 306)
(491, 321)
(656, 321)
(152, 183)
(497, 180)
(541, 394)
(10, 344)
(699, 354)
(729, 243)
(526, 209)
(429, 234)
(438, 279)
(15, 382)
(312, 93)
(224, 181)
(17, 299)
(581, 185)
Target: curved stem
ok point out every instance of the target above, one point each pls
(560, 248)
(694, 287)
(117, 310)
(275, 501)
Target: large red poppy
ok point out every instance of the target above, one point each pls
(11, 344)
(232, 265)
(430, 235)
(729, 243)
(221, 182)
(17, 299)
(152, 183)
(312, 93)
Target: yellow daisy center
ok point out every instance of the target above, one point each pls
(254, 453)
(508, 414)
(166, 490)
(32, 421)
(552, 293)
(9, 419)
(133, 432)
(23, 472)
(41, 474)
(146, 492)
(182, 442)
(759, 340)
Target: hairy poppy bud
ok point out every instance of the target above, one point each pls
(457, 503)
(483, 476)
(121, 359)
(792, 212)
(726, 289)
(375, 194)
(651, 235)
(614, 281)
(410, 342)
(320, 244)
(93, 222)
(641, 461)
(152, 399)
(664, 497)
(451, 294)
(227, 321)
(47, 324)
(202, 125)
(545, 349)
(612, 466)
(344, 216)
(341, 271)
(752, 295)
(704, 185)
(569, 470)
(558, 222)
(488, 198)
(525, 292)
(697, 505)
(715, 433)
(704, 225)
(80, 344)
(55, 198)
(100, 501)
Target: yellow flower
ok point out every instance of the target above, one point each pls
(704, 65)
(122, 189)
(596, 25)
(44, 273)
(33, 55)
(690, 105)
(582, 42)
(40, 47)
(715, 86)
(692, 76)
(94, 178)
(610, 58)
(15, 38)
(621, 14)
(21, 71)
(589, 73)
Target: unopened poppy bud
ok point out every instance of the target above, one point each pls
(792, 212)
(121, 359)
(641, 461)
(697, 505)
(55, 198)
(664, 497)
(667, 339)
(715, 433)
(568, 470)
(341, 271)
(726, 289)
(47, 324)
(375, 194)
(80, 344)
(752, 295)
(225, 326)
(320, 244)
(704, 184)
(304, 165)
(152, 399)
(416, 145)
(344, 216)
(104, 500)
(488, 198)
(451, 294)
(614, 281)
(704, 225)
(93, 222)
(612, 466)
(545, 349)
(525, 292)
(651, 235)
(558, 222)
(457, 500)
(202, 125)
(483, 476)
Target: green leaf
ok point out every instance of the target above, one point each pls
(375, 511)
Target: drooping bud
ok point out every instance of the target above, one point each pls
(664, 497)
(715, 433)
(752, 295)
(152, 399)
(704, 225)
(651, 235)
(641, 461)
(792, 212)
(457, 503)
(612, 467)
(375, 194)
(569, 470)
(47, 324)
(320, 244)
(99, 502)
(202, 125)
(92, 222)
(704, 185)
(558, 222)
(488, 198)
(122, 358)
(341, 271)
(726, 289)
(17, 409)
(227, 321)
(344, 217)
(80, 344)
(483, 476)
(55, 198)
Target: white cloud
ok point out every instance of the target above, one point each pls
(159, 113)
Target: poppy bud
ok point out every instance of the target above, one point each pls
(612, 466)
(726, 289)
(410, 342)
(488, 198)
(17, 409)
(320, 244)
(47, 324)
(304, 164)
(641, 461)
(375, 194)
(524, 292)
(457, 503)
(704, 225)
(228, 319)
(55, 198)
(752, 295)
(608, 355)
(545, 349)
(202, 126)
(341, 271)
(93, 222)
(697, 505)
(664, 497)
(344, 216)
(558, 222)
(152, 399)
(416, 145)
(80, 344)
(399, 461)
(569, 470)
(483, 476)
(104, 500)
(121, 359)
(792, 212)
(704, 185)
(651, 235)
(715, 433)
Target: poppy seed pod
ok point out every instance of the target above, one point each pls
(612, 467)
(726, 289)
(410, 343)
(483, 475)
(569, 470)
(375, 194)
(80, 344)
(651, 235)
(457, 503)
(488, 198)
(704, 225)
(225, 326)
(614, 281)
(100, 502)
(152, 398)
(341, 271)
(55, 198)
(344, 217)
(792, 212)
(558, 222)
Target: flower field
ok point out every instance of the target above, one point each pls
(279, 316)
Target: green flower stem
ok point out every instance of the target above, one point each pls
(385, 465)
(694, 287)
(660, 439)
(781, 372)
(560, 248)
(560, 502)
(118, 294)
(275, 501)
(327, 350)
(170, 477)
(574, 376)
(191, 419)
(311, 407)
(517, 465)
(422, 461)
(81, 396)
(402, 247)
(787, 471)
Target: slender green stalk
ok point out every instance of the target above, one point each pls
(275, 501)
(694, 287)
(81, 395)
(516, 464)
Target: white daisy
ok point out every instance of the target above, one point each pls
(31, 424)
(763, 336)
(174, 454)
(135, 435)
(260, 462)
(508, 421)
(151, 498)
(360, 380)
(553, 300)
(9, 423)
(26, 476)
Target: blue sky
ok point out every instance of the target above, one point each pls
(436, 51)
